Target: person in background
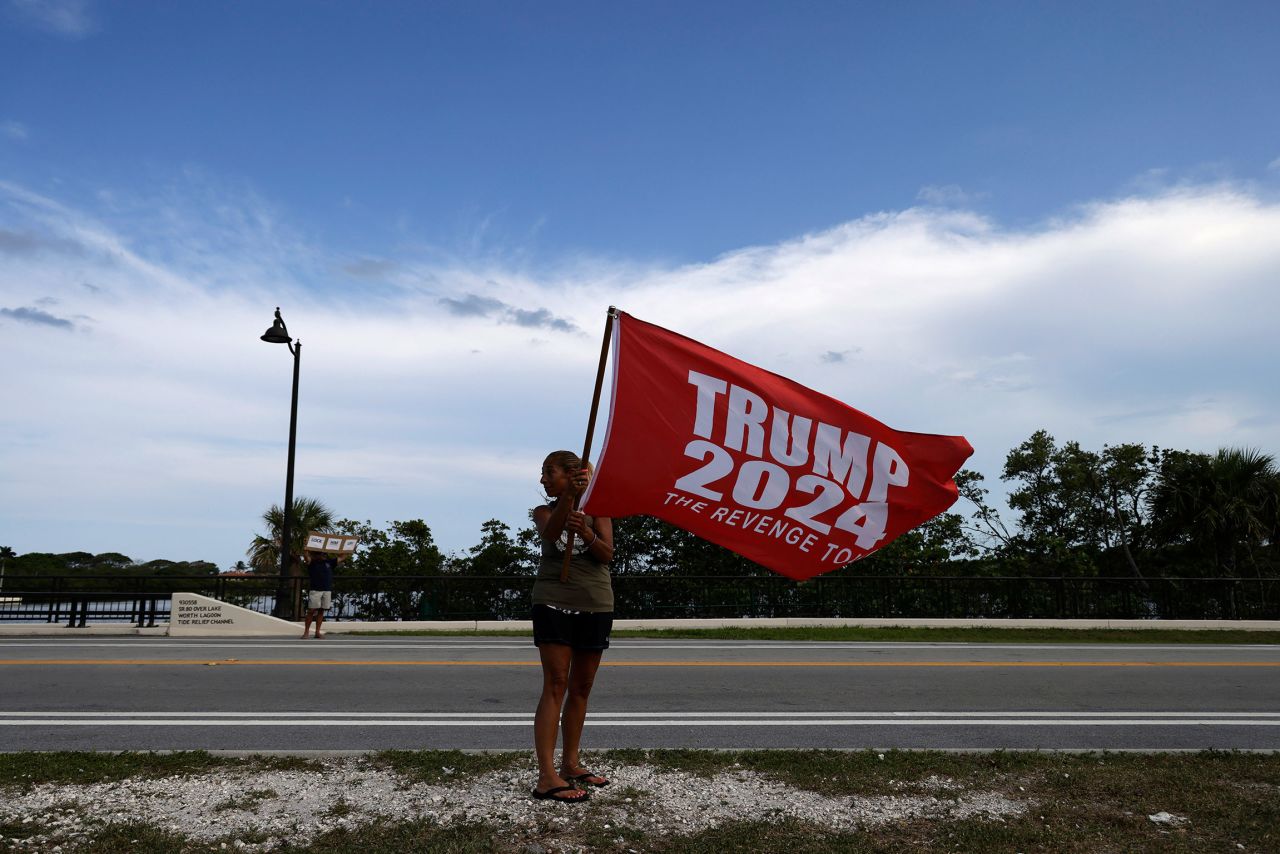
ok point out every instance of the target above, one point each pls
(571, 624)
(320, 567)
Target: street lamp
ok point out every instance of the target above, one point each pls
(279, 334)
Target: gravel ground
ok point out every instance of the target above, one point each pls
(299, 805)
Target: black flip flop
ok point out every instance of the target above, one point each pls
(582, 778)
(550, 795)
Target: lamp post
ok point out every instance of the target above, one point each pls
(279, 334)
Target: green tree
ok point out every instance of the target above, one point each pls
(178, 567)
(109, 562)
(1123, 484)
(665, 571)
(498, 553)
(642, 544)
(927, 549)
(1052, 514)
(986, 528)
(308, 514)
(6, 554)
(382, 576)
(77, 561)
(1223, 509)
(1079, 512)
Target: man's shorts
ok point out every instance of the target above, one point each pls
(319, 600)
(579, 630)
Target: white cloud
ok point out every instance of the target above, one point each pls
(68, 18)
(947, 195)
(157, 425)
(14, 130)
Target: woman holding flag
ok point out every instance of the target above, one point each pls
(572, 618)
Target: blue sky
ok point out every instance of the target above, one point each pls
(980, 218)
(672, 131)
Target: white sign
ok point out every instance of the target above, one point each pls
(318, 541)
(193, 615)
(191, 611)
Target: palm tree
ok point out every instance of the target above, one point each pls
(308, 515)
(1220, 505)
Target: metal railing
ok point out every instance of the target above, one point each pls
(950, 597)
(143, 601)
(77, 609)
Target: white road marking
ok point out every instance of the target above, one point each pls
(668, 714)
(675, 722)
(644, 719)
(625, 644)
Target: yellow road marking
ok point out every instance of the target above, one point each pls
(387, 663)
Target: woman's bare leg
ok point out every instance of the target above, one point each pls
(555, 680)
(582, 673)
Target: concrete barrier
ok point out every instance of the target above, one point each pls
(790, 622)
(193, 615)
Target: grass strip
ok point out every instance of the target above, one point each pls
(906, 633)
(25, 770)
(1091, 802)
(421, 837)
(1076, 803)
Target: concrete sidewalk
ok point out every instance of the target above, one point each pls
(468, 626)
(195, 615)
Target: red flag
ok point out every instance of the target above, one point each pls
(781, 474)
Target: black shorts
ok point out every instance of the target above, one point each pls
(584, 630)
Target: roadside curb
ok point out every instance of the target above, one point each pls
(463, 627)
(480, 751)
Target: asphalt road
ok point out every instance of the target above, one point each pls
(345, 693)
